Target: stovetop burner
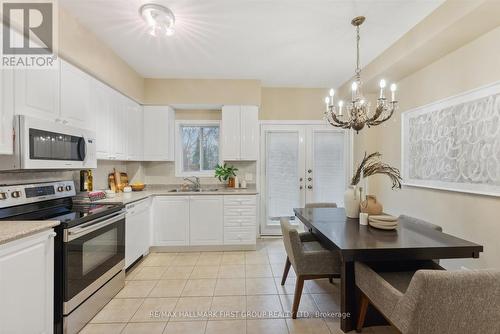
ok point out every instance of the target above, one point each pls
(44, 205)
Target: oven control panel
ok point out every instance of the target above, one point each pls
(11, 195)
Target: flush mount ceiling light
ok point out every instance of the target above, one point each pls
(160, 19)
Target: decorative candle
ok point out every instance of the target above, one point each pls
(341, 104)
(382, 87)
(327, 102)
(393, 92)
(354, 88)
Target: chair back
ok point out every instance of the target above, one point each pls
(438, 301)
(291, 240)
(321, 205)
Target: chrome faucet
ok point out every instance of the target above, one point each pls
(195, 182)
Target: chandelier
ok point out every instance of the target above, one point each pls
(356, 114)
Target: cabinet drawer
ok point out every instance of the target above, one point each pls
(239, 221)
(240, 211)
(231, 200)
(241, 235)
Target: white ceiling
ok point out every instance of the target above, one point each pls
(300, 43)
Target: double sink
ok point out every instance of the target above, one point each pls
(192, 190)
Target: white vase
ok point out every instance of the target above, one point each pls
(351, 202)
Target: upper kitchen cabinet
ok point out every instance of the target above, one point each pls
(37, 93)
(159, 133)
(75, 91)
(6, 112)
(135, 131)
(240, 132)
(100, 103)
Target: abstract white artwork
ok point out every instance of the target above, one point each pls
(454, 144)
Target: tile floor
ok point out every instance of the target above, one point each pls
(211, 292)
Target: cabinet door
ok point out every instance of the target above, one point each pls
(37, 93)
(171, 221)
(119, 124)
(134, 132)
(6, 112)
(206, 220)
(75, 97)
(26, 284)
(249, 133)
(101, 106)
(159, 122)
(231, 132)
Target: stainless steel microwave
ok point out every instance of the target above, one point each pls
(42, 144)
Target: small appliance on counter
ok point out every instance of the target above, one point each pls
(89, 247)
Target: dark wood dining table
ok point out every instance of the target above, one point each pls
(355, 242)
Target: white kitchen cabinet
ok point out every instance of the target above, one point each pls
(100, 94)
(137, 230)
(249, 144)
(240, 220)
(159, 133)
(206, 220)
(27, 284)
(231, 132)
(75, 95)
(134, 131)
(240, 132)
(6, 112)
(37, 93)
(118, 125)
(171, 221)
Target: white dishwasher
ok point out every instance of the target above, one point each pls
(137, 229)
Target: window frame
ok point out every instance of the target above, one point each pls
(179, 172)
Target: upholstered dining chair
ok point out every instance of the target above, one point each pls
(432, 301)
(309, 259)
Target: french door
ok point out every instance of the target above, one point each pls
(301, 163)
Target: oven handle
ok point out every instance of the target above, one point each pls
(79, 231)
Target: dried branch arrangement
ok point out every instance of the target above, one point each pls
(371, 165)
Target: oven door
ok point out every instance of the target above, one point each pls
(56, 146)
(93, 253)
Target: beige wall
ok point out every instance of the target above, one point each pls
(82, 48)
(473, 217)
(201, 91)
(292, 103)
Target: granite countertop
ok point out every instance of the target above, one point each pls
(166, 190)
(13, 230)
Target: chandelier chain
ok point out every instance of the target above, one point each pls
(358, 70)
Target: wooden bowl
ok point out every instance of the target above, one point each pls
(137, 186)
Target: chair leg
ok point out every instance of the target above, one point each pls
(363, 307)
(285, 272)
(298, 293)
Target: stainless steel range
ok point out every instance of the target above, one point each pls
(89, 247)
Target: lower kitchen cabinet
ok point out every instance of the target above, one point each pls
(171, 221)
(27, 284)
(206, 220)
(137, 230)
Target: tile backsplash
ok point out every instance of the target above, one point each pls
(145, 172)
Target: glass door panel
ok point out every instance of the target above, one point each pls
(283, 172)
(326, 159)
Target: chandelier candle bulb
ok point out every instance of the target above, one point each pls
(393, 92)
(382, 87)
(354, 88)
(341, 104)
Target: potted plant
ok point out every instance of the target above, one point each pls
(225, 173)
(370, 165)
